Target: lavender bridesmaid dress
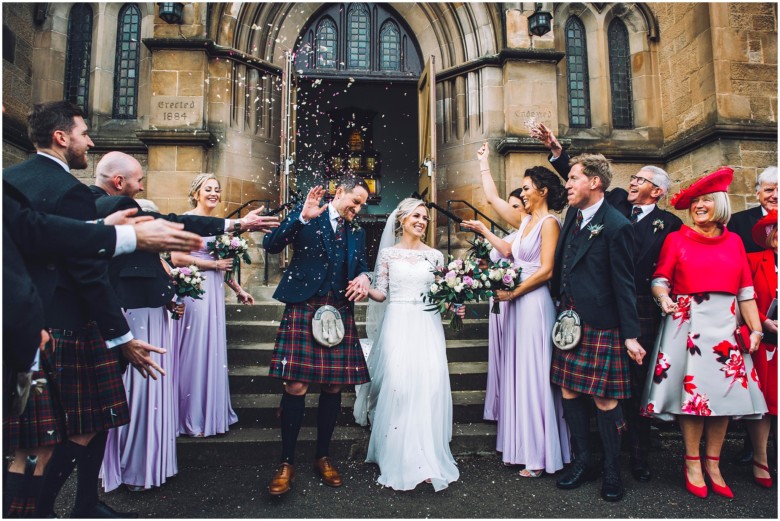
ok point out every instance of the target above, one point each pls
(204, 394)
(143, 453)
(531, 429)
(495, 332)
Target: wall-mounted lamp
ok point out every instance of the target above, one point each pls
(171, 12)
(540, 22)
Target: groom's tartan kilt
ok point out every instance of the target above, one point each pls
(297, 357)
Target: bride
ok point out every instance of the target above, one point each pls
(408, 401)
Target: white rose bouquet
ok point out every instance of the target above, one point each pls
(458, 282)
(188, 282)
(228, 246)
(503, 276)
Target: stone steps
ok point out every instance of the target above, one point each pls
(251, 331)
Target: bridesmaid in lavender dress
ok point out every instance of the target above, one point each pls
(204, 394)
(531, 429)
(513, 208)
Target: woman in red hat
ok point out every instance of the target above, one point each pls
(701, 378)
(763, 265)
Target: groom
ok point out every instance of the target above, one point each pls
(328, 267)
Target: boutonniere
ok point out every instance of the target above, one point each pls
(594, 230)
(355, 224)
(658, 224)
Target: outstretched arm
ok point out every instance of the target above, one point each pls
(503, 247)
(503, 208)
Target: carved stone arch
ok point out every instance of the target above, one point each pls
(635, 19)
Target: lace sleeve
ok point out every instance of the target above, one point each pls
(437, 258)
(382, 273)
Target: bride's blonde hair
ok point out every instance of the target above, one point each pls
(405, 209)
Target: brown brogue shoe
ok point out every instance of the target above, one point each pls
(285, 475)
(330, 476)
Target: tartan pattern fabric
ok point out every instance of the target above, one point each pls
(338, 234)
(42, 423)
(90, 381)
(22, 506)
(298, 357)
(598, 366)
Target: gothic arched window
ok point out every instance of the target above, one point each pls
(128, 40)
(620, 75)
(389, 47)
(577, 71)
(77, 57)
(359, 52)
(326, 44)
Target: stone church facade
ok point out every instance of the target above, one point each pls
(248, 91)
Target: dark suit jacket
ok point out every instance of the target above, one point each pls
(27, 233)
(139, 278)
(313, 247)
(648, 239)
(83, 292)
(742, 224)
(615, 197)
(602, 272)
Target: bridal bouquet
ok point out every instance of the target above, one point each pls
(502, 275)
(188, 282)
(458, 282)
(227, 246)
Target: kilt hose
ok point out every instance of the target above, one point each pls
(42, 423)
(598, 366)
(297, 357)
(89, 395)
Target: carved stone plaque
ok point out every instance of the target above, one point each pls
(176, 111)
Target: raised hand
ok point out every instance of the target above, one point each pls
(476, 226)
(160, 235)
(484, 152)
(254, 222)
(137, 353)
(545, 135)
(311, 207)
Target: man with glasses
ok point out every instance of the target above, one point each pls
(651, 226)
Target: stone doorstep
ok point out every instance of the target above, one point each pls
(269, 346)
(455, 368)
(271, 400)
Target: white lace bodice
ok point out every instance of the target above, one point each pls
(405, 275)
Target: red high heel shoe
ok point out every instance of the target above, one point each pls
(698, 491)
(762, 482)
(721, 490)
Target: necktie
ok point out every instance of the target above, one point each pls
(578, 222)
(635, 213)
(339, 233)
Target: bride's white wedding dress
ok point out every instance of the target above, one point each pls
(408, 401)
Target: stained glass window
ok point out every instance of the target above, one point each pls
(358, 50)
(577, 71)
(390, 47)
(326, 44)
(128, 40)
(77, 57)
(620, 75)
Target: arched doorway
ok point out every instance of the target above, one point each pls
(356, 68)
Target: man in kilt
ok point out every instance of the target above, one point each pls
(594, 276)
(651, 226)
(66, 424)
(328, 267)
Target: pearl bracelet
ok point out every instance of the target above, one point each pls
(759, 333)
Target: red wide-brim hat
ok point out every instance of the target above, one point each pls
(763, 228)
(718, 181)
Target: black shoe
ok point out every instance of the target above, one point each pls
(744, 458)
(640, 470)
(577, 474)
(611, 486)
(102, 511)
